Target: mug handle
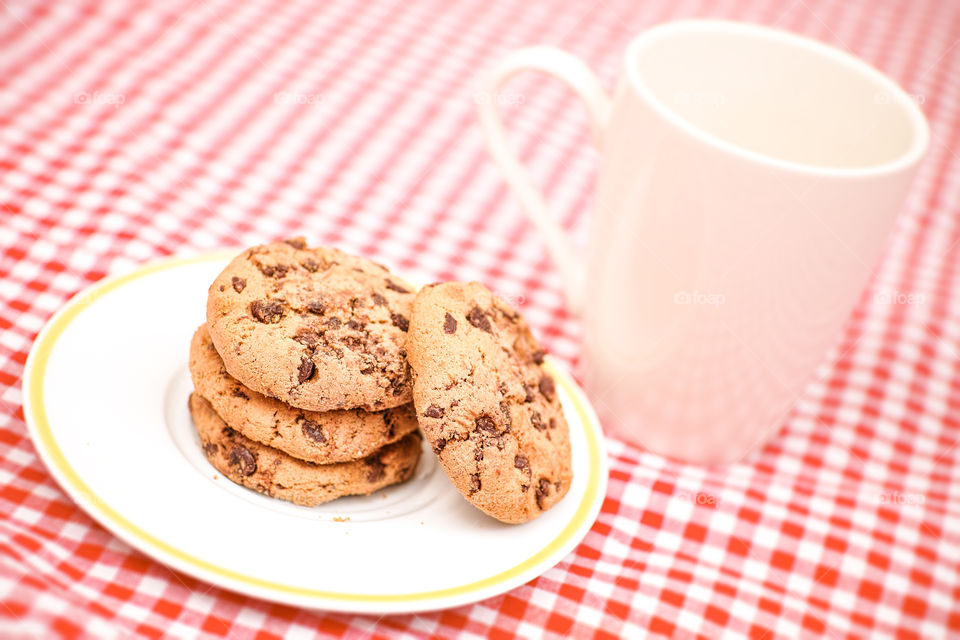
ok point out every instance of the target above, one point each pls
(585, 84)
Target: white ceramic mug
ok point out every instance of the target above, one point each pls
(748, 179)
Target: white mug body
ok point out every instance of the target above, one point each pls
(748, 180)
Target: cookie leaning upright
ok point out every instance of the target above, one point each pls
(314, 327)
(486, 405)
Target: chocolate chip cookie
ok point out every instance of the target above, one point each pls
(313, 327)
(278, 475)
(485, 403)
(320, 437)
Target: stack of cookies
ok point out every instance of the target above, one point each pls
(315, 367)
(302, 390)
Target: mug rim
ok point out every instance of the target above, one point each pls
(910, 157)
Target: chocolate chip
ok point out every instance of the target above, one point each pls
(538, 356)
(310, 265)
(553, 423)
(211, 448)
(333, 323)
(479, 319)
(238, 393)
(528, 393)
(243, 459)
(353, 324)
(266, 311)
(238, 284)
(396, 287)
(399, 382)
(273, 270)
(547, 387)
(307, 337)
(378, 299)
(522, 463)
(433, 411)
(375, 470)
(313, 431)
(222, 288)
(543, 489)
(388, 422)
(297, 243)
(400, 322)
(505, 410)
(305, 370)
(475, 482)
(449, 324)
(486, 423)
(505, 309)
(440, 444)
(317, 307)
(537, 421)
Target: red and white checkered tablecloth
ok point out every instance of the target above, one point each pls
(137, 130)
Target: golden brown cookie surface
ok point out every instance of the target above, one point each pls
(313, 327)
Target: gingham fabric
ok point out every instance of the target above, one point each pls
(132, 131)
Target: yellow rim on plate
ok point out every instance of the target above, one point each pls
(35, 412)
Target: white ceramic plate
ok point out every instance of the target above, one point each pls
(105, 397)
